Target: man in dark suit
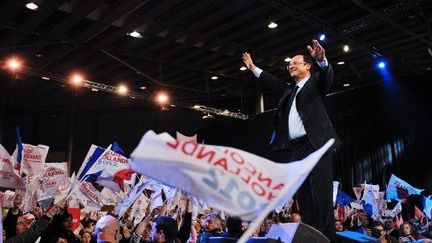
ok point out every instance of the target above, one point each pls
(301, 127)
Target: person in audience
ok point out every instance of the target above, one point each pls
(380, 233)
(10, 221)
(339, 226)
(234, 228)
(107, 230)
(390, 226)
(164, 230)
(86, 237)
(60, 227)
(409, 234)
(295, 218)
(26, 234)
(213, 228)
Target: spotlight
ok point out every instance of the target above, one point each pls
(94, 90)
(322, 37)
(122, 89)
(162, 98)
(143, 87)
(31, 6)
(242, 68)
(346, 48)
(135, 34)
(214, 77)
(381, 64)
(45, 78)
(14, 64)
(77, 79)
(272, 25)
(288, 59)
(340, 63)
(346, 84)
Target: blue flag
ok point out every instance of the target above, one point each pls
(19, 147)
(116, 148)
(342, 199)
(95, 156)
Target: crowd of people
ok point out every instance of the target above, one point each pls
(178, 225)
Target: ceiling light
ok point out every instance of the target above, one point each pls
(94, 90)
(322, 37)
(214, 77)
(162, 98)
(272, 25)
(346, 85)
(340, 63)
(122, 89)
(45, 78)
(346, 48)
(31, 6)
(14, 64)
(135, 34)
(288, 59)
(143, 87)
(242, 68)
(77, 79)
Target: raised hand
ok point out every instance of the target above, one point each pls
(316, 51)
(247, 59)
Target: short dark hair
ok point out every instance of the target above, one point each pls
(234, 224)
(307, 58)
(168, 225)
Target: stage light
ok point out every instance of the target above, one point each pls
(135, 34)
(14, 64)
(214, 77)
(346, 85)
(346, 48)
(322, 37)
(162, 98)
(77, 79)
(31, 6)
(45, 78)
(272, 25)
(94, 90)
(288, 59)
(340, 63)
(122, 89)
(381, 64)
(143, 87)
(242, 68)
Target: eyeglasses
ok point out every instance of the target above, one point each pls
(295, 64)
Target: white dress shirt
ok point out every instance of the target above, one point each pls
(295, 123)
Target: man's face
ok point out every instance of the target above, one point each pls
(298, 68)
(157, 236)
(17, 201)
(380, 229)
(21, 225)
(212, 224)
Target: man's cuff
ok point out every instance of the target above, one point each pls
(323, 64)
(257, 72)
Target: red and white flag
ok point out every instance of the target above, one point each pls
(232, 180)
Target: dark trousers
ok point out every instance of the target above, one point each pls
(315, 196)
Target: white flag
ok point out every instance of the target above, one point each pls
(51, 179)
(229, 179)
(33, 159)
(9, 178)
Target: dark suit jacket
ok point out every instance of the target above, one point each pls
(309, 101)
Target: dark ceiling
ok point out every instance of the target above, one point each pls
(186, 42)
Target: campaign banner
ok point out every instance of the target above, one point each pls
(229, 179)
(9, 178)
(33, 159)
(50, 180)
